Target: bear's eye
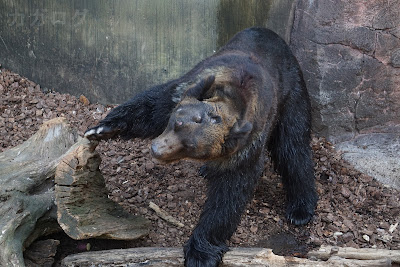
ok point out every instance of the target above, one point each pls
(215, 119)
(178, 125)
(188, 144)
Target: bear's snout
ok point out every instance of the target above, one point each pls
(155, 151)
(167, 147)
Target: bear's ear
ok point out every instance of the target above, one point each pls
(237, 136)
(201, 88)
(241, 128)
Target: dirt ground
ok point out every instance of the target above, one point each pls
(353, 209)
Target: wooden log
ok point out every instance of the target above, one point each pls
(84, 209)
(28, 194)
(326, 252)
(161, 257)
(341, 262)
(171, 257)
(27, 187)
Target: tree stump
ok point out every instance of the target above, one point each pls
(84, 209)
(27, 188)
(28, 193)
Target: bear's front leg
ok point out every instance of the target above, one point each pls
(228, 193)
(145, 115)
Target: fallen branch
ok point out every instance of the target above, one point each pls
(164, 215)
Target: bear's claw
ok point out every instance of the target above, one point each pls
(100, 132)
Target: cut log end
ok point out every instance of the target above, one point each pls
(84, 209)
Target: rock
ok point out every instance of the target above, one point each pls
(149, 165)
(366, 237)
(173, 188)
(348, 223)
(254, 228)
(345, 191)
(84, 100)
(393, 227)
(380, 160)
(347, 237)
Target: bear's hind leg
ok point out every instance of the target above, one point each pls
(292, 156)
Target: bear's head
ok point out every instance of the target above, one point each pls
(205, 125)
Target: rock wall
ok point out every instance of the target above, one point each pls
(350, 55)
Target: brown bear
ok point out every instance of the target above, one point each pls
(226, 111)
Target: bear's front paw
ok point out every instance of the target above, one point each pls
(208, 256)
(299, 213)
(195, 262)
(194, 258)
(101, 132)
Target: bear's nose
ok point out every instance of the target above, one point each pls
(155, 151)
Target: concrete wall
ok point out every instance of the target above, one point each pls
(110, 50)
